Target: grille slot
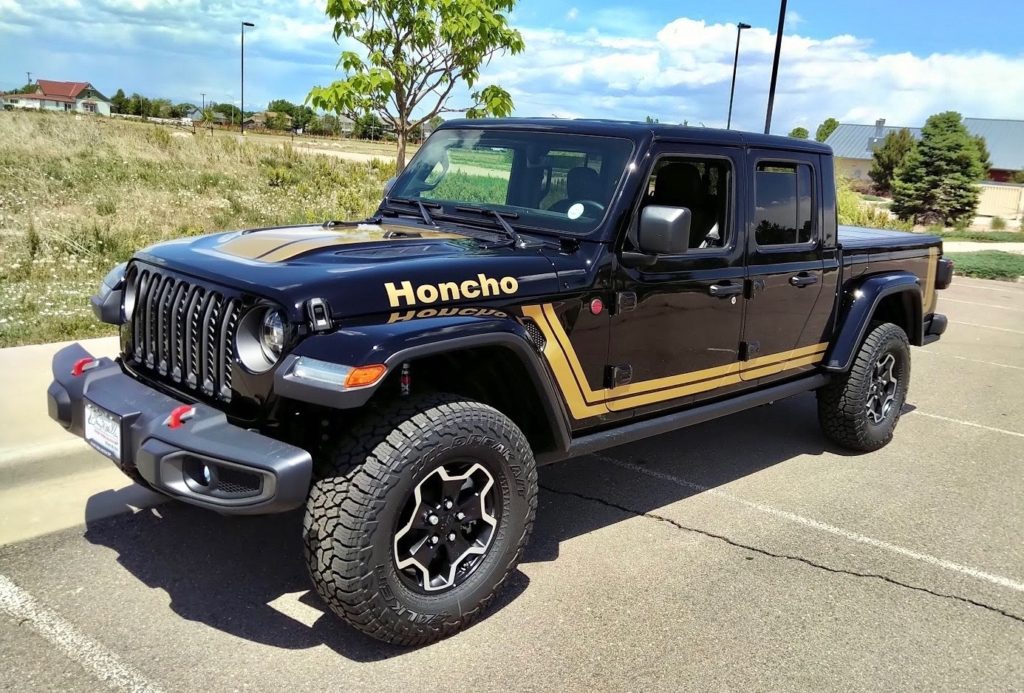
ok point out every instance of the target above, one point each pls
(183, 332)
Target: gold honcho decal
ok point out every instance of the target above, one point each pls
(405, 294)
(585, 402)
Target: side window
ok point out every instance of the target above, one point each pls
(704, 186)
(784, 204)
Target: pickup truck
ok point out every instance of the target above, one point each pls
(529, 290)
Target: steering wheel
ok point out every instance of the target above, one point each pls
(588, 205)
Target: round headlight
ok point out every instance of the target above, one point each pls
(272, 333)
(260, 338)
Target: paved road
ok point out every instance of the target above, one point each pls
(744, 554)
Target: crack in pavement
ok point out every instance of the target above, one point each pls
(782, 556)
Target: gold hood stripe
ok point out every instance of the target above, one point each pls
(285, 244)
(585, 402)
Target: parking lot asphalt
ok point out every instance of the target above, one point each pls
(746, 553)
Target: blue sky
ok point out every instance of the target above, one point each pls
(857, 61)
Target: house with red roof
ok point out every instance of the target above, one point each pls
(78, 97)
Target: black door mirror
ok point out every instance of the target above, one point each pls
(664, 230)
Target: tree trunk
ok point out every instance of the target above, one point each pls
(400, 157)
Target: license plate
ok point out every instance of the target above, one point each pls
(103, 431)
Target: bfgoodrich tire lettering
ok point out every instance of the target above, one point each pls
(354, 511)
(849, 408)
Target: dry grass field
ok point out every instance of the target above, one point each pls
(79, 194)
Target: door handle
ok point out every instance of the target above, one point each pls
(723, 290)
(802, 280)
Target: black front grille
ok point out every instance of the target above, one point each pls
(182, 331)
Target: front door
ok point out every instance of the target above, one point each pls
(675, 326)
(782, 334)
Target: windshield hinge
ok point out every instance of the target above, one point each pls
(319, 314)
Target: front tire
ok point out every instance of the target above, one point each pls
(423, 516)
(860, 409)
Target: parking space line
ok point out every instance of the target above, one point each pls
(822, 526)
(964, 358)
(961, 282)
(966, 423)
(946, 299)
(19, 604)
(987, 327)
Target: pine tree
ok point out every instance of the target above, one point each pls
(825, 129)
(889, 157)
(983, 155)
(937, 182)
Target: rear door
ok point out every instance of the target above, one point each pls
(784, 326)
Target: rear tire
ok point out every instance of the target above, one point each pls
(860, 409)
(426, 514)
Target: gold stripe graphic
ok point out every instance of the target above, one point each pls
(585, 402)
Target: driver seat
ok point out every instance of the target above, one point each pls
(581, 183)
(679, 184)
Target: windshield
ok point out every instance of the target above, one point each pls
(546, 180)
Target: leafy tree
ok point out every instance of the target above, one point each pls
(418, 51)
(937, 182)
(827, 127)
(1018, 177)
(160, 108)
(119, 102)
(229, 111)
(29, 88)
(650, 120)
(799, 133)
(889, 157)
(278, 121)
(983, 155)
(368, 127)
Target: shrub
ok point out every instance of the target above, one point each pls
(854, 212)
(998, 223)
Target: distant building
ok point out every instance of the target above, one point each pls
(78, 97)
(261, 119)
(854, 145)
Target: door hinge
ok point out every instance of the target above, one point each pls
(752, 287)
(616, 376)
(625, 301)
(749, 350)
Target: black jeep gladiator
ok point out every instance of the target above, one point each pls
(527, 291)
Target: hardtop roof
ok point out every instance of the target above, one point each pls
(639, 130)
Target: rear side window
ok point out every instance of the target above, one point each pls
(784, 203)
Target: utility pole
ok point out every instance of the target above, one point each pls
(28, 78)
(241, 103)
(735, 61)
(775, 68)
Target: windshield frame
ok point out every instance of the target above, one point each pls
(522, 218)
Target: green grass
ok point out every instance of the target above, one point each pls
(983, 236)
(78, 195)
(988, 264)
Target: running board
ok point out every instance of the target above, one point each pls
(595, 442)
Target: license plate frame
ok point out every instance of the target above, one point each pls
(104, 431)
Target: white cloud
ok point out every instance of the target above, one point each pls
(684, 69)
(572, 14)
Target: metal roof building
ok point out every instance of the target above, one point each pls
(1004, 139)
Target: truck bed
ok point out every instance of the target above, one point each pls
(860, 239)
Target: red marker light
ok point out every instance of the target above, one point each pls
(596, 306)
(180, 415)
(82, 365)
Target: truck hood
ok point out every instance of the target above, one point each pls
(365, 268)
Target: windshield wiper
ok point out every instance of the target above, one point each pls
(510, 232)
(420, 205)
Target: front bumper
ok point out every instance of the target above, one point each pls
(206, 461)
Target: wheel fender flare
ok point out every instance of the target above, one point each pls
(394, 343)
(861, 303)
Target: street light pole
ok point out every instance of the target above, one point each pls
(775, 68)
(241, 104)
(735, 61)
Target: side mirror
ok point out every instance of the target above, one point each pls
(664, 230)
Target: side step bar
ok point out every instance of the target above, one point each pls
(595, 442)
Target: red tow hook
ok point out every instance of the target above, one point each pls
(180, 415)
(83, 364)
